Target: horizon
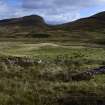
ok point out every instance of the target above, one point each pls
(50, 23)
(53, 12)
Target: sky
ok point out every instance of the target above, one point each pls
(53, 11)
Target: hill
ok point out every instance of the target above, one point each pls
(90, 29)
(95, 22)
(26, 20)
(86, 30)
(42, 64)
(21, 27)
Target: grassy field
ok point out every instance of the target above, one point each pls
(40, 74)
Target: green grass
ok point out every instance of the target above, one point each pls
(24, 81)
(45, 83)
(13, 48)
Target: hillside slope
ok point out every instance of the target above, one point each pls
(90, 29)
(95, 22)
(21, 27)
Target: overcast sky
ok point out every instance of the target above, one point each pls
(53, 11)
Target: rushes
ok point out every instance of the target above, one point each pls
(25, 81)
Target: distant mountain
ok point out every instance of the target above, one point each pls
(95, 22)
(90, 29)
(22, 27)
(26, 20)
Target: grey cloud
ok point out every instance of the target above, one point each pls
(59, 3)
(8, 10)
(53, 11)
(60, 10)
(37, 4)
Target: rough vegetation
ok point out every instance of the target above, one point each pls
(33, 81)
(50, 74)
(42, 64)
(88, 30)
